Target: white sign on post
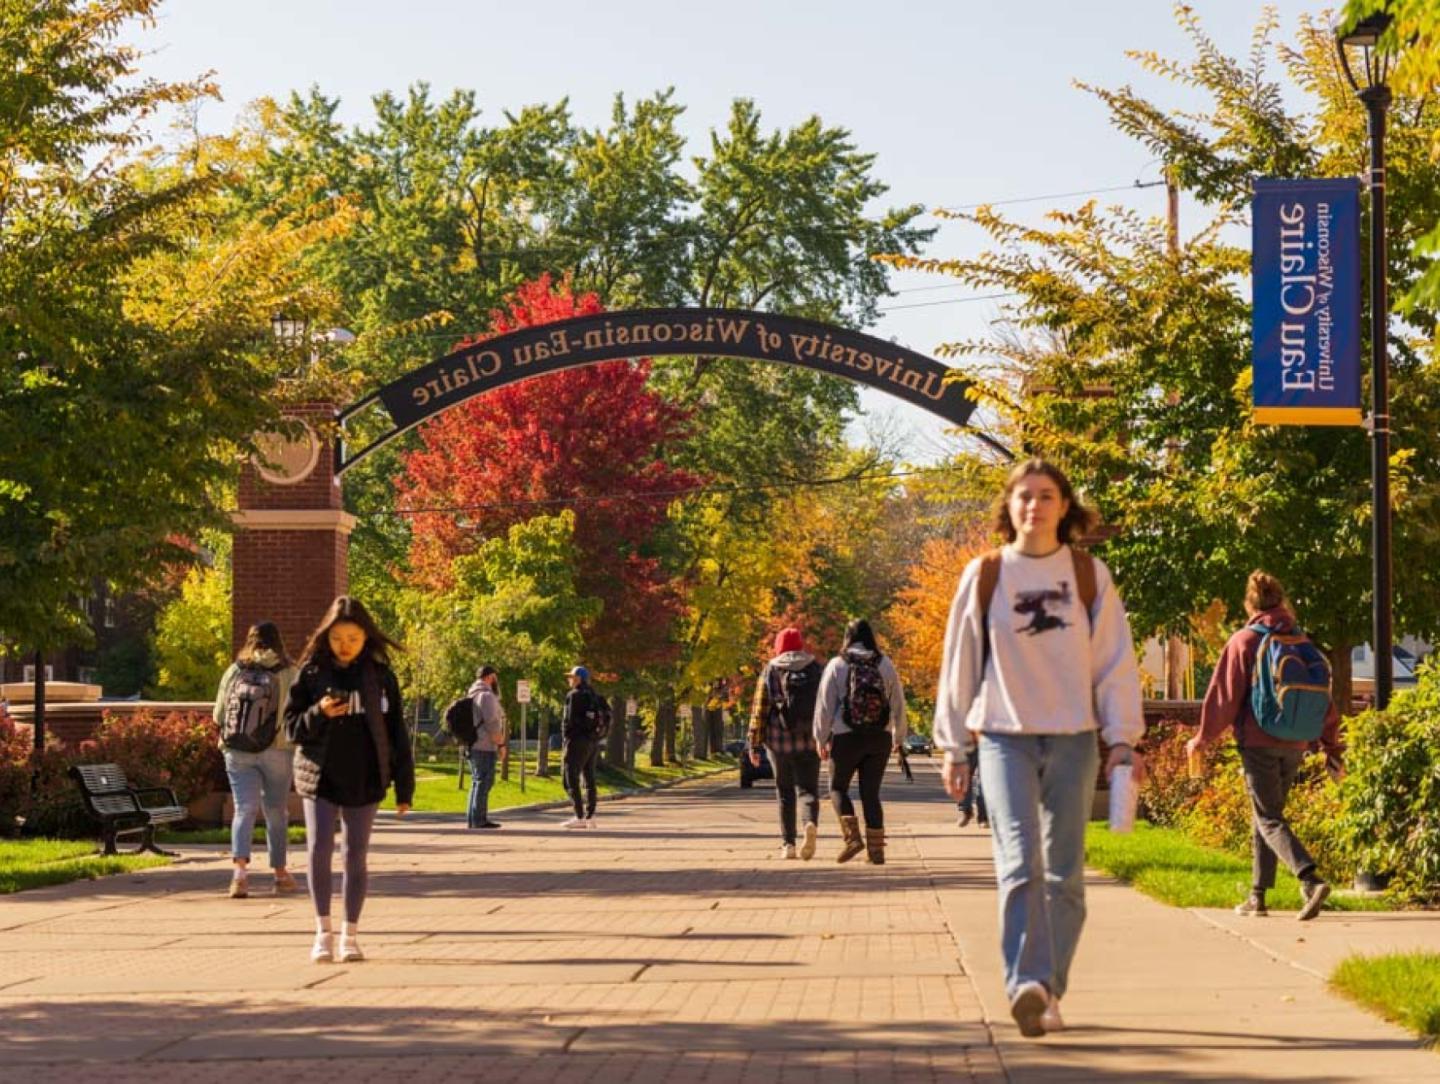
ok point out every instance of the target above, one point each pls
(631, 708)
(522, 692)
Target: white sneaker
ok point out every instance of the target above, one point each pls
(1051, 1019)
(323, 951)
(787, 850)
(350, 950)
(1028, 1006)
(807, 845)
(590, 823)
(574, 822)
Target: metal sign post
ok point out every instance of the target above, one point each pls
(522, 694)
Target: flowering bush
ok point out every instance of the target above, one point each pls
(177, 750)
(14, 771)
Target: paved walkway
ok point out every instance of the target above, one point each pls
(672, 945)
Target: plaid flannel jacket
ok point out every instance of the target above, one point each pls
(768, 729)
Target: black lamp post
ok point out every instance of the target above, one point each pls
(1367, 66)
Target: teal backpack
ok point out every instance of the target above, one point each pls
(1290, 686)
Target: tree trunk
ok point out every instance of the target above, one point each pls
(670, 727)
(1342, 677)
(715, 724)
(632, 743)
(615, 743)
(542, 755)
(700, 727)
(657, 735)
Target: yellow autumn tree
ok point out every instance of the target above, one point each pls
(917, 619)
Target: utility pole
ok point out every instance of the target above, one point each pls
(1175, 650)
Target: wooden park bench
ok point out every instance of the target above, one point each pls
(123, 809)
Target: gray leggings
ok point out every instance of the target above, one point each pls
(356, 822)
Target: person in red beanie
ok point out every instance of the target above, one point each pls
(781, 719)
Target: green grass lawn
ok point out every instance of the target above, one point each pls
(1164, 864)
(437, 789)
(1403, 987)
(34, 863)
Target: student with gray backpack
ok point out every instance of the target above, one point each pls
(1271, 690)
(782, 719)
(257, 754)
(859, 722)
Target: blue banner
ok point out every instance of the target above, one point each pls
(1305, 268)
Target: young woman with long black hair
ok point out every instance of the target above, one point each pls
(345, 716)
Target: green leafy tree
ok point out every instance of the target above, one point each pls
(133, 370)
(1129, 361)
(192, 635)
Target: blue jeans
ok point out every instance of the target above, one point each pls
(259, 781)
(482, 778)
(1039, 789)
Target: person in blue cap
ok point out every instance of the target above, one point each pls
(580, 727)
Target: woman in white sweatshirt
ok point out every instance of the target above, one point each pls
(1037, 657)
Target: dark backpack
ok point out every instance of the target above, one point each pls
(251, 716)
(598, 716)
(867, 707)
(1290, 685)
(460, 720)
(793, 694)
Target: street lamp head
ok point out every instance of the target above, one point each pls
(289, 331)
(1365, 60)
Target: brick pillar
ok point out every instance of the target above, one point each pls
(292, 535)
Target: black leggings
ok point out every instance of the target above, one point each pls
(866, 752)
(579, 774)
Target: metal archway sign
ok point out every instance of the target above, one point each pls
(615, 336)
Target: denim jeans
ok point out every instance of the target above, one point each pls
(1039, 790)
(259, 781)
(482, 778)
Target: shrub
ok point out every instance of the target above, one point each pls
(1168, 789)
(1391, 814)
(177, 750)
(14, 771)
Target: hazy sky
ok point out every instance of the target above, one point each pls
(962, 102)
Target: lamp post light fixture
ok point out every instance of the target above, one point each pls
(1367, 66)
(289, 331)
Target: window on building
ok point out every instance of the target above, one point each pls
(109, 611)
(29, 674)
(86, 675)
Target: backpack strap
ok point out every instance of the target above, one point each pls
(1086, 585)
(989, 578)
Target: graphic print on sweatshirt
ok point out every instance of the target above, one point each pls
(1033, 603)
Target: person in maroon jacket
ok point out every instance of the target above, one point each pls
(1270, 764)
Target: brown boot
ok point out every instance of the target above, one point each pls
(850, 829)
(875, 845)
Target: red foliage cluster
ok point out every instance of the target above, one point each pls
(592, 439)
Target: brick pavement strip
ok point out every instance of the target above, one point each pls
(672, 945)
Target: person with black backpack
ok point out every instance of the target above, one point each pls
(1271, 691)
(584, 726)
(859, 722)
(782, 719)
(257, 753)
(486, 746)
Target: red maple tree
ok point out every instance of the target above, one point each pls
(592, 439)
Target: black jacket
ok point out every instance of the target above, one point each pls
(308, 727)
(577, 721)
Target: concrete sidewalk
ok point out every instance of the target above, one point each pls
(671, 944)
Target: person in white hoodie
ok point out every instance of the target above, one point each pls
(1037, 657)
(859, 722)
(258, 755)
